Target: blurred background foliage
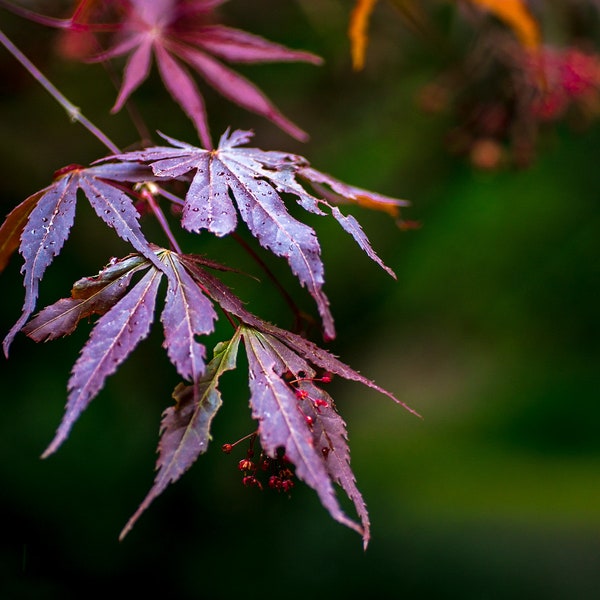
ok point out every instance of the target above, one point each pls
(491, 332)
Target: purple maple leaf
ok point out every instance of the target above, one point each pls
(177, 31)
(187, 314)
(256, 180)
(281, 423)
(294, 414)
(301, 419)
(113, 338)
(252, 177)
(126, 317)
(48, 224)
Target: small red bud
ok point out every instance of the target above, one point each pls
(227, 448)
(286, 474)
(274, 482)
(318, 403)
(251, 480)
(301, 394)
(246, 465)
(287, 485)
(309, 420)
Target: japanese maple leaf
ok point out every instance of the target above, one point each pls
(283, 422)
(255, 180)
(126, 317)
(44, 221)
(176, 31)
(296, 414)
(515, 13)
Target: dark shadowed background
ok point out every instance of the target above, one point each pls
(490, 332)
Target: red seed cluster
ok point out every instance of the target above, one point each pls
(275, 472)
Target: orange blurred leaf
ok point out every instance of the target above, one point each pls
(358, 31)
(517, 16)
(377, 204)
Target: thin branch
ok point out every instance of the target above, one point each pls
(299, 316)
(148, 196)
(72, 111)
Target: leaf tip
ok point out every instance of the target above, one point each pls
(47, 452)
(10, 336)
(328, 336)
(125, 530)
(396, 400)
(59, 438)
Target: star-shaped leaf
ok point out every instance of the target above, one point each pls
(256, 181)
(295, 414)
(126, 317)
(176, 32)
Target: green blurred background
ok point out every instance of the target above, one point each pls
(491, 333)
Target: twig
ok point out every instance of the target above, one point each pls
(73, 111)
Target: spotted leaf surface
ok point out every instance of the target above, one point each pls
(234, 181)
(281, 422)
(113, 338)
(50, 221)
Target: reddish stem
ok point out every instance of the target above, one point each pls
(169, 196)
(162, 220)
(284, 293)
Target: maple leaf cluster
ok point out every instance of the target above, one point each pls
(225, 187)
